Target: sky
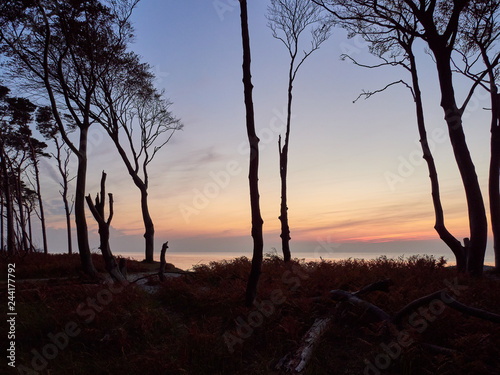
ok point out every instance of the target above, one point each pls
(357, 181)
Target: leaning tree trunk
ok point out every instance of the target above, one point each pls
(494, 172)
(142, 185)
(454, 244)
(253, 174)
(477, 215)
(149, 234)
(80, 220)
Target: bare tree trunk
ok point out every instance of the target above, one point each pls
(494, 190)
(11, 241)
(40, 201)
(453, 116)
(63, 170)
(162, 261)
(68, 222)
(253, 175)
(149, 234)
(454, 244)
(80, 220)
(20, 205)
(285, 228)
(98, 213)
(30, 229)
(494, 172)
(149, 228)
(2, 244)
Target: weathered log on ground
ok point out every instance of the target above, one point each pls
(382, 286)
(444, 297)
(296, 361)
(342, 295)
(162, 261)
(439, 349)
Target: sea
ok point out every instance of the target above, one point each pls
(188, 260)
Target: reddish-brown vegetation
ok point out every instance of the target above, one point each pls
(198, 324)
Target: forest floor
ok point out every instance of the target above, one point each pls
(196, 322)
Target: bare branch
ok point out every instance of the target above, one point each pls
(368, 94)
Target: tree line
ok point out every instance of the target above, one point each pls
(76, 56)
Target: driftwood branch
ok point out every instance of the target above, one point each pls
(471, 311)
(382, 285)
(295, 362)
(342, 295)
(441, 295)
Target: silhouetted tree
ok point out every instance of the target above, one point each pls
(30, 200)
(288, 19)
(49, 129)
(97, 210)
(128, 101)
(478, 42)
(438, 25)
(396, 49)
(62, 47)
(17, 146)
(253, 175)
(36, 150)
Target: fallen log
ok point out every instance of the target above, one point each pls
(296, 361)
(442, 295)
(367, 306)
(382, 286)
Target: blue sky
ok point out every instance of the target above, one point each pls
(343, 156)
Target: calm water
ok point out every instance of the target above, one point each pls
(186, 261)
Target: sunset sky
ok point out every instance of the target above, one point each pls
(356, 177)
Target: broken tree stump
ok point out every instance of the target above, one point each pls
(162, 261)
(97, 210)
